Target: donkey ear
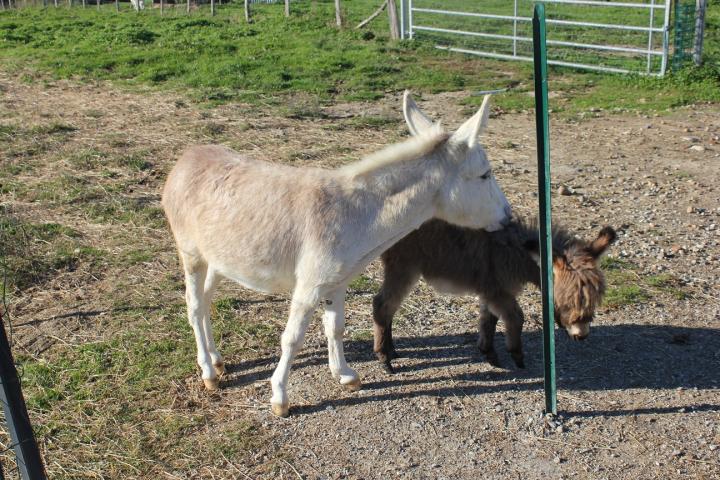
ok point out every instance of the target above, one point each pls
(416, 120)
(470, 130)
(532, 246)
(559, 262)
(598, 246)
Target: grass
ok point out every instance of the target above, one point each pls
(124, 399)
(627, 287)
(221, 59)
(32, 253)
(104, 394)
(364, 284)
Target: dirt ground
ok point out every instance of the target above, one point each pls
(639, 399)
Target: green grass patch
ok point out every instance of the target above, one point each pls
(668, 284)
(364, 284)
(232, 322)
(86, 159)
(32, 253)
(361, 335)
(618, 296)
(626, 287)
(614, 263)
(222, 58)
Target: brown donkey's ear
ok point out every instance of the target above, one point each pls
(559, 262)
(606, 236)
(533, 248)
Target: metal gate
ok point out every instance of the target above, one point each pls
(630, 36)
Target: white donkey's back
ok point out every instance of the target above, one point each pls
(246, 218)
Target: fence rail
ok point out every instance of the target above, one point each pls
(626, 56)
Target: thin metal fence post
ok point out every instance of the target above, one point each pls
(27, 454)
(543, 152)
(666, 38)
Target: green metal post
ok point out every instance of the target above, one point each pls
(543, 149)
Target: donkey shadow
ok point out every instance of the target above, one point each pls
(614, 357)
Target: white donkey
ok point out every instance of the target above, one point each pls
(276, 228)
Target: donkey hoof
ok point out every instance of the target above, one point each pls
(387, 366)
(493, 359)
(353, 385)
(219, 368)
(211, 384)
(280, 409)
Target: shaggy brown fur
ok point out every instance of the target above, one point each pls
(495, 266)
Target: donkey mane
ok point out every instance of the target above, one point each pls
(412, 149)
(522, 230)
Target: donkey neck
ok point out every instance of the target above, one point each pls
(405, 199)
(394, 205)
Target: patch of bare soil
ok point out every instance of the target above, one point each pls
(639, 399)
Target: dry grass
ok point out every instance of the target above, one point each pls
(95, 291)
(108, 362)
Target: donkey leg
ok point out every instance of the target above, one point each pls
(395, 288)
(512, 315)
(211, 282)
(334, 323)
(301, 309)
(486, 338)
(195, 272)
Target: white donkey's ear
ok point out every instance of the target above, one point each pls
(471, 129)
(416, 120)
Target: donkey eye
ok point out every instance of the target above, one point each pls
(485, 176)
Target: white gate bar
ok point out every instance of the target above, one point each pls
(549, 42)
(604, 25)
(515, 14)
(650, 42)
(528, 19)
(607, 4)
(530, 59)
(666, 38)
(410, 10)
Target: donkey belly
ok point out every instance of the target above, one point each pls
(262, 266)
(261, 280)
(444, 285)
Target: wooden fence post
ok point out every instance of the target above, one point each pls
(247, 11)
(393, 18)
(287, 8)
(338, 17)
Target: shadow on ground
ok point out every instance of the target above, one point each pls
(615, 357)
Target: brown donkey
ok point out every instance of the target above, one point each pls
(494, 266)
